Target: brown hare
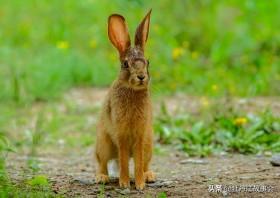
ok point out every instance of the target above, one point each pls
(125, 126)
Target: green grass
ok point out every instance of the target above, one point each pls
(44, 127)
(217, 131)
(64, 127)
(35, 187)
(38, 186)
(162, 195)
(48, 125)
(198, 47)
(46, 47)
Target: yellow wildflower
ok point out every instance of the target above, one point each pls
(232, 89)
(194, 55)
(62, 45)
(93, 43)
(177, 52)
(205, 102)
(112, 56)
(214, 87)
(240, 121)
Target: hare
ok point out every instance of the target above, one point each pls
(125, 129)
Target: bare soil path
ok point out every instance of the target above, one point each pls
(178, 176)
(72, 173)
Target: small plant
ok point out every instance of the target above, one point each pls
(162, 195)
(38, 181)
(101, 193)
(224, 131)
(5, 148)
(34, 139)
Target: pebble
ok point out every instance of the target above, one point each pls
(275, 160)
(123, 191)
(109, 188)
(160, 183)
(193, 161)
(84, 181)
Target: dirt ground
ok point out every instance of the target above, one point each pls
(177, 176)
(226, 175)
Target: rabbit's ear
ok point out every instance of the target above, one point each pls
(142, 31)
(118, 33)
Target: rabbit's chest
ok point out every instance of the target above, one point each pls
(129, 113)
(130, 117)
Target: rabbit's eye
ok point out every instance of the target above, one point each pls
(125, 64)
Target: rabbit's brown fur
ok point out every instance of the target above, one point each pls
(125, 126)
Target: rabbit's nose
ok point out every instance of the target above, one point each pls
(141, 77)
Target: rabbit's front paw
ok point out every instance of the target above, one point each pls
(101, 178)
(140, 185)
(150, 176)
(124, 182)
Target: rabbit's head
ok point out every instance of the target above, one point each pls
(134, 66)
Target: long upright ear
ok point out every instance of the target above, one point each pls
(118, 33)
(142, 31)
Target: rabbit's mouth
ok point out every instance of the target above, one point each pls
(137, 84)
(142, 85)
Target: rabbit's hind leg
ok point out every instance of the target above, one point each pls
(105, 151)
(148, 147)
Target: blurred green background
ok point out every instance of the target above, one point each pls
(218, 53)
(201, 47)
